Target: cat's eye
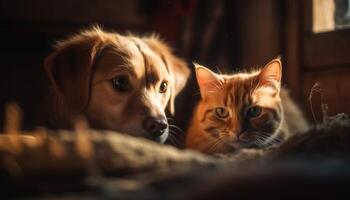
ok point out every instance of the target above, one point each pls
(121, 83)
(163, 87)
(221, 112)
(254, 111)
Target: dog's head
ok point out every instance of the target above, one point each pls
(122, 83)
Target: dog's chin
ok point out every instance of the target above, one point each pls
(138, 133)
(162, 138)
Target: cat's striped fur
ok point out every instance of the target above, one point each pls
(243, 110)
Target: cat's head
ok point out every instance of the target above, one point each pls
(241, 110)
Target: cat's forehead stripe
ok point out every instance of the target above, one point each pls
(241, 86)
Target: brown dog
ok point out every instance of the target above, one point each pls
(121, 83)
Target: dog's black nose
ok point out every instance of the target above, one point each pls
(155, 126)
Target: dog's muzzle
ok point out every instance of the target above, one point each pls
(157, 128)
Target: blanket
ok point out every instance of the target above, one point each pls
(95, 164)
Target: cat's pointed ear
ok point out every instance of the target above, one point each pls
(271, 74)
(207, 80)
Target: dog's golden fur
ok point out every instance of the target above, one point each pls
(82, 68)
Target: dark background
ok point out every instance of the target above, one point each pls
(225, 35)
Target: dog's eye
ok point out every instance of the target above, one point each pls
(121, 83)
(221, 112)
(163, 87)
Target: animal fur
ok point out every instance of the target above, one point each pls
(81, 70)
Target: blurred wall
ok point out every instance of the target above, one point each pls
(224, 35)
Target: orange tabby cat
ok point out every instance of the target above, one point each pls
(244, 110)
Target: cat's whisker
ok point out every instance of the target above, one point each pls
(215, 144)
(262, 137)
(208, 146)
(274, 139)
(213, 147)
(270, 139)
(262, 140)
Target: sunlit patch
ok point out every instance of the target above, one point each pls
(265, 97)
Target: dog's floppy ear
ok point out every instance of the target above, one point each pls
(70, 68)
(178, 68)
(180, 73)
